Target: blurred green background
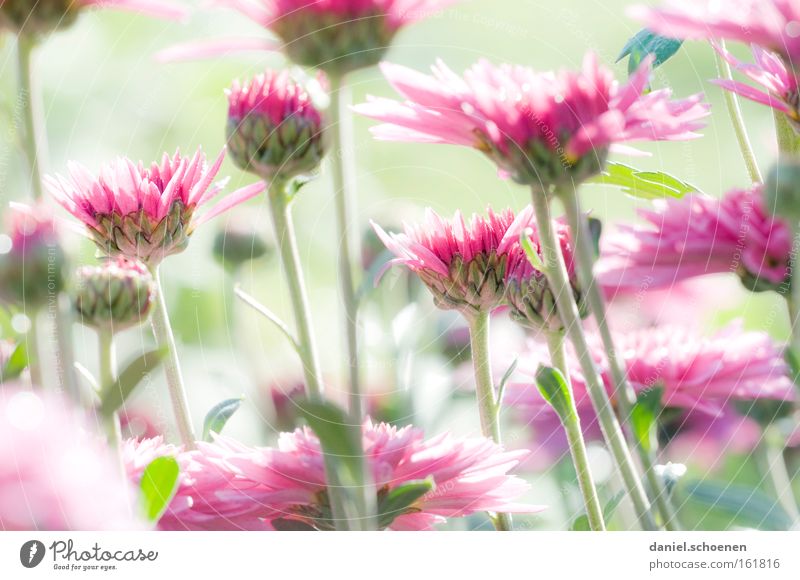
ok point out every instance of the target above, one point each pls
(105, 95)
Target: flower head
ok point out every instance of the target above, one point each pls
(337, 36)
(274, 129)
(771, 73)
(115, 295)
(699, 235)
(540, 128)
(145, 213)
(54, 475)
(31, 257)
(772, 24)
(470, 475)
(42, 16)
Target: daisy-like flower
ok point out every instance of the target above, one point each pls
(42, 16)
(145, 213)
(470, 475)
(699, 235)
(337, 36)
(274, 129)
(54, 474)
(539, 128)
(769, 71)
(210, 496)
(772, 24)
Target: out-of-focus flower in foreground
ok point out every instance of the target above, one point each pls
(145, 213)
(54, 474)
(538, 127)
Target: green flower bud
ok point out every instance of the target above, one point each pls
(36, 17)
(237, 243)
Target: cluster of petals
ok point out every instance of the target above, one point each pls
(274, 95)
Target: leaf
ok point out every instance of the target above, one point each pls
(501, 388)
(340, 439)
(16, 363)
(644, 415)
(287, 525)
(555, 390)
(644, 43)
(794, 365)
(218, 416)
(114, 396)
(158, 486)
(596, 230)
(581, 523)
(401, 498)
(744, 505)
(643, 184)
(764, 411)
(530, 251)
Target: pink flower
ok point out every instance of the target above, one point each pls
(54, 474)
(770, 72)
(209, 496)
(470, 475)
(772, 24)
(337, 36)
(699, 235)
(145, 213)
(274, 128)
(537, 127)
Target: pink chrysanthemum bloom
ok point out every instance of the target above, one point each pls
(145, 213)
(210, 496)
(42, 16)
(32, 260)
(274, 129)
(769, 71)
(772, 24)
(470, 475)
(539, 128)
(699, 235)
(338, 36)
(54, 475)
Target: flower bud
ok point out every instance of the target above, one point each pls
(115, 295)
(38, 16)
(782, 188)
(238, 242)
(274, 129)
(31, 258)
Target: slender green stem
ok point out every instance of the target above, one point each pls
(105, 345)
(577, 445)
(343, 192)
(735, 113)
(287, 243)
(162, 329)
(771, 461)
(484, 390)
(623, 393)
(61, 317)
(35, 351)
(556, 272)
(33, 135)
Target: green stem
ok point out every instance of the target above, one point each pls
(484, 390)
(35, 351)
(284, 233)
(623, 393)
(735, 113)
(341, 163)
(33, 135)
(105, 345)
(577, 445)
(773, 465)
(62, 331)
(556, 273)
(162, 329)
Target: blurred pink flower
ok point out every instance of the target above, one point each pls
(210, 496)
(772, 24)
(537, 127)
(145, 213)
(470, 475)
(54, 474)
(698, 235)
(770, 72)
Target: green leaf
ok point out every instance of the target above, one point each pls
(596, 230)
(644, 415)
(555, 390)
(158, 486)
(114, 396)
(340, 439)
(581, 523)
(764, 411)
(501, 387)
(643, 184)
(530, 251)
(398, 500)
(793, 361)
(287, 525)
(218, 416)
(16, 363)
(644, 43)
(745, 506)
